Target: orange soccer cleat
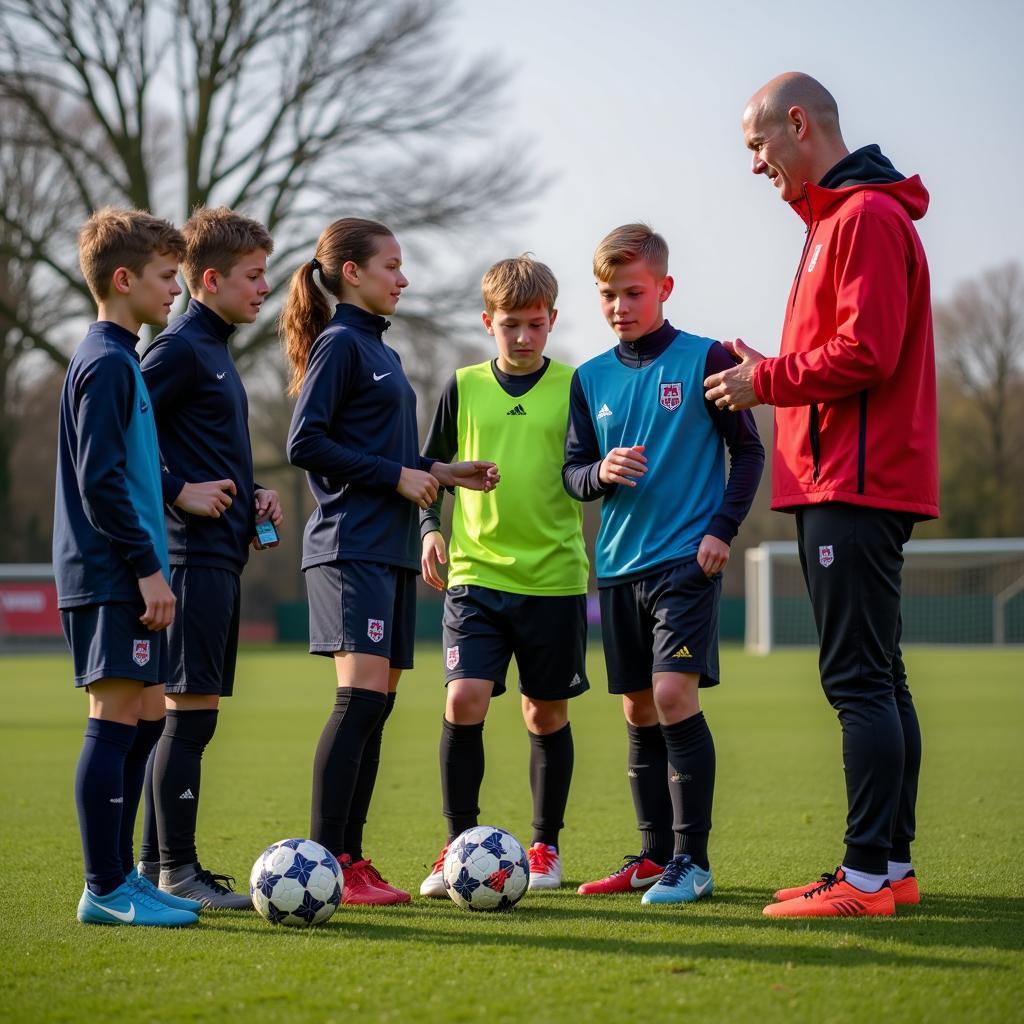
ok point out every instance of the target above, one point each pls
(905, 891)
(833, 896)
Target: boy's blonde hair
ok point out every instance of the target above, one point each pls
(517, 283)
(218, 237)
(627, 244)
(114, 237)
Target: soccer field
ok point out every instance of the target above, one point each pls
(778, 820)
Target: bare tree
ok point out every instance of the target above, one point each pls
(981, 335)
(295, 111)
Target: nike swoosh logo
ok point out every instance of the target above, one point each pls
(122, 915)
(642, 883)
(383, 375)
(700, 889)
(221, 376)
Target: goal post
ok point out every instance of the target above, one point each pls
(954, 592)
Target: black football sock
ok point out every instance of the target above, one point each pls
(691, 782)
(365, 781)
(462, 772)
(99, 795)
(177, 771)
(647, 767)
(146, 737)
(339, 753)
(551, 760)
(149, 848)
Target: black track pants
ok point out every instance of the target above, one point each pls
(852, 560)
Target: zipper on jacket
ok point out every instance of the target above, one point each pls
(815, 443)
(862, 441)
(808, 234)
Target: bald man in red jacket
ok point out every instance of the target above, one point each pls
(855, 459)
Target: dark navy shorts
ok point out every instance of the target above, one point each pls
(367, 607)
(202, 642)
(484, 628)
(108, 642)
(666, 621)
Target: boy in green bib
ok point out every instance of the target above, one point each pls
(517, 577)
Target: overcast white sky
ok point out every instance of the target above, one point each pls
(634, 107)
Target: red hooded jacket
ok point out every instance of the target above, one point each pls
(854, 381)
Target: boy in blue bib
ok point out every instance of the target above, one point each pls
(642, 438)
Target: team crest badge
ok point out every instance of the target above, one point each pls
(375, 630)
(671, 395)
(453, 656)
(826, 555)
(140, 652)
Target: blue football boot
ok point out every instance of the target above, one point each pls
(174, 902)
(681, 882)
(130, 904)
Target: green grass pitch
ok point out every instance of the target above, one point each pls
(559, 957)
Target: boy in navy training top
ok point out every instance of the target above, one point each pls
(642, 437)
(110, 556)
(202, 416)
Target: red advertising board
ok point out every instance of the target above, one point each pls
(29, 609)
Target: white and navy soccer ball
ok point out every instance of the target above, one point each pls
(296, 882)
(486, 869)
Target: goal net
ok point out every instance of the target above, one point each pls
(954, 592)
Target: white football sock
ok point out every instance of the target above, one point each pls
(864, 881)
(899, 869)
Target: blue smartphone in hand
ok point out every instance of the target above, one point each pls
(266, 535)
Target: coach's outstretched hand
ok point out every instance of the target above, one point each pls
(433, 553)
(733, 389)
(475, 476)
(159, 611)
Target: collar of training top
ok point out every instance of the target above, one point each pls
(646, 349)
(356, 316)
(215, 324)
(115, 332)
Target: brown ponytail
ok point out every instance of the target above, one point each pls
(306, 310)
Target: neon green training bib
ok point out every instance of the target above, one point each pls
(525, 536)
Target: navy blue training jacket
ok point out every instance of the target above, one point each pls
(108, 524)
(202, 418)
(353, 431)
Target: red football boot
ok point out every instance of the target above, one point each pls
(361, 885)
(383, 883)
(636, 873)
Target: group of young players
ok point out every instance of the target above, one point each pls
(157, 507)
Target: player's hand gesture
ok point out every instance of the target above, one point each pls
(211, 498)
(712, 555)
(623, 465)
(159, 611)
(433, 552)
(268, 506)
(475, 476)
(417, 486)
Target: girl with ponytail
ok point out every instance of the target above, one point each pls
(354, 432)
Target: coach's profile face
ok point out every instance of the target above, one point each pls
(776, 148)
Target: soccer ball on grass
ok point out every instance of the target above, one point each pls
(486, 869)
(296, 882)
